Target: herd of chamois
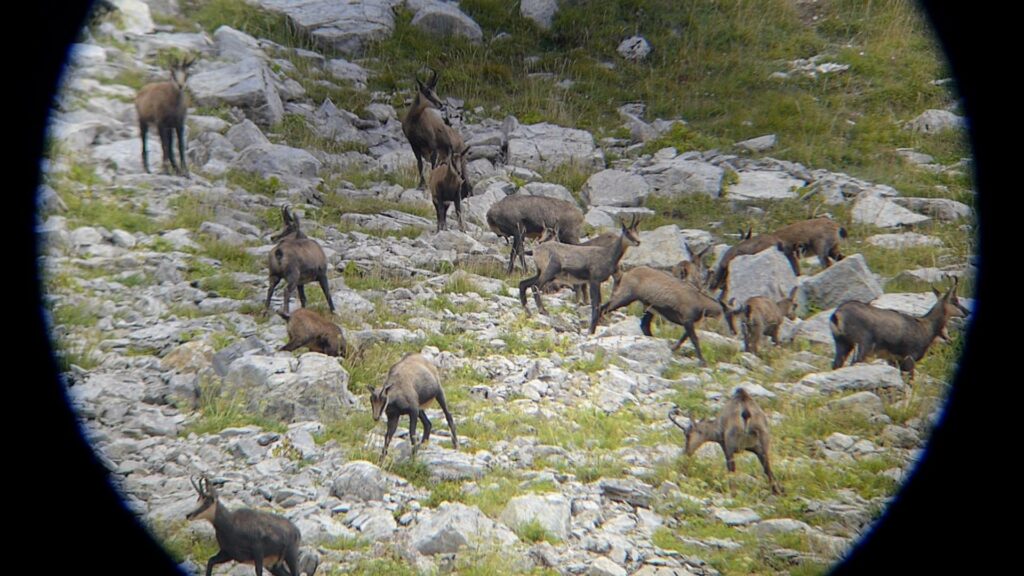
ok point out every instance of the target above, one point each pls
(681, 296)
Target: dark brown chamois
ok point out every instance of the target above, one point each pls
(309, 329)
(297, 260)
(519, 216)
(819, 236)
(447, 186)
(762, 316)
(164, 105)
(677, 301)
(248, 536)
(571, 264)
(900, 338)
(741, 425)
(747, 246)
(411, 385)
(425, 128)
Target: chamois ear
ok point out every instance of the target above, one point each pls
(433, 79)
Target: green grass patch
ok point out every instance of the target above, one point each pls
(376, 278)
(240, 15)
(254, 183)
(75, 315)
(533, 532)
(226, 286)
(377, 567)
(298, 134)
(218, 411)
(462, 284)
(590, 363)
(110, 215)
(232, 258)
(182, 543)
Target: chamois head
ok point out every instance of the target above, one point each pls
(206, 506)
(179, 71)
(630, 232)
(291, 226)
(427, 90)
(379, 401)
(951, 306)
(697, 432)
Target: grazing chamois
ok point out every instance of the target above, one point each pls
(819, 236)
(164, 105)
(248, 536)
(297, 260)
(693, 271)
(425, 128)
(741, 425)
(309, 329)
(412, 384)
(518, 216)
(447, 186)
(577, 265)
(900, 338)
(762, 316)
(677, 301)
(747, 246)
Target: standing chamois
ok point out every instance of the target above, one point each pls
(448, 185)
(248, 536)
(164, 105)
(677, 301)
(425, 128)
(570, 264)
(749, 245)
(741, 425)
(762, 316)
(819, 236)
(519, 216)
(900, 338)
(412, 384)
(297, 260)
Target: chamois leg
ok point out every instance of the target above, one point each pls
(274, 281)
(523, 285)
(296, 344)
(645, 323)
(419, 168)
(427, 427)
(258, 562)
(278, 570)
(143, 128)
(458, 212)
(414, 415)
(748, 338)
(766, 465)
(167, 143)
(326, 287)
(521, 251)
(219, 558)
(180, 131)
(392, 427)
(448, 417)
(616, 301)
(595, 305)
(442, 211)
(691, 332)
(863, 350)
(302, 294)
(843, 349)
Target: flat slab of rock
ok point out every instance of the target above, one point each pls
(628, 490)
(360, 480)
(277, 160)
(739, 517)
(547, 146)
(346, 27)
(247, 83)
(615, 188)
(938, 208)
(542, 12)
(767, 273)
(848, 279)
(454, 525)
(608, 217)
(681, 177)
(660, 248)
(882, 212)
(765, 185)
(444, 19)
(551, 511)
(855, 378)
(935, 121)
(904, 240)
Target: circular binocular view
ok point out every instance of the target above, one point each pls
(548, 287)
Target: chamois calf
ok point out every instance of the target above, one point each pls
(819, 236)
(693, 271)
(577, 265)
(412, 384)
(309, 329)
(900, 338)
(678, 302)
(297, 260)
(747, 246)
(447, 186)
(248, 536)
(164, 105)
(518, 216)
(424, 126)
(761, 316)
(741, 425)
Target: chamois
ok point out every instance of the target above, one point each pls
(248, 536)
(693, 271)
(297, 260)
(603, 239)
(309, 329)
(741, 425)
(900, 338)
(579, 264)
(411, 384)
(746, 247)
(447, 185)
(763, 316)
(518, 216)
(677, 301)
(425, 128)
(164, 105)
(819, 236)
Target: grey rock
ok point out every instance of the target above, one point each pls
(915, 304)
(915, 157)
(547, 146)
(660, 248)
(767, 273)
(223, 359)
(236, 45)
(48, 201)
(651, 570)
(317, 387)
(245, 134)
(198, 124)
(223, 233)
(642, 354)
(277, 160)
(540, 11)
(839, 441)
(360, 480)
(816, 328)
(318, 529)
(134, 16)
(935, 121)
(615, 188)
(863, 402)
(373, 524)
(247, 83)
(759, 144)
(154, 423)
(764, 185)
(551, 511)
(550, 190)
(876, 210)
(181, 239)
(681, 177)
(602, 566)
(902, 240)
(125, 155)
(452, 526)
(342, 69)
(900, 437)
(444, 19)
(855, 378)
(445, 464)
(739, 517)
(628, 490)
(848, 279)
(86, 55)
(609, 217)
(475, 208)
(634, 48)
(938, 208)
(389, 220)
(780, 526)
(346, 27)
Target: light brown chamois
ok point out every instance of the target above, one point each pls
(447, 186)
(677, 301)
(297, 260)
(164, 105)
(819, 236)
(248, 536)
(571, 264)
(693, 271)
(747, 246)
(762, 316)
(425, 128)
(309, 329)
(741, 425)
(411, 385)
(603, 239)
(900, 338)
(519, 216)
